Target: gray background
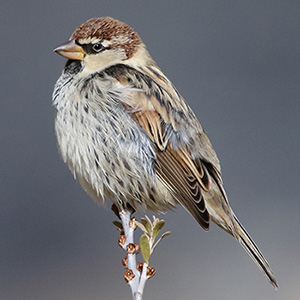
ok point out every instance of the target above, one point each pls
(237, 64)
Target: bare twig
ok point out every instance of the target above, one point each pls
(125, 216)
(136, 275)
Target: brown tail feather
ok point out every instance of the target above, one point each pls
(248, 244)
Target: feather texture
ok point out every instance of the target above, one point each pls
(185, 160)
(127, 134)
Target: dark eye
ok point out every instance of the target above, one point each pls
(97, 47)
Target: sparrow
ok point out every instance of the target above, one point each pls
(127, 134)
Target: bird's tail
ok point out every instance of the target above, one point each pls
(248, 244)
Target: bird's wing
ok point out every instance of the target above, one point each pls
(185, 160)
(175, 168)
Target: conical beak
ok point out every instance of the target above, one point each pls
(70, 50)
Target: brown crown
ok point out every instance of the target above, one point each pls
(107, 28)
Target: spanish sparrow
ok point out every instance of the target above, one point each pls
(127, 134)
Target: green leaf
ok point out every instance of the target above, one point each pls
(158, 226)
(146, 225)
(148, 219)
(145, 247)
(118, 224)
(155, 220)
(162, 236)
(141, 226)
(165, 234)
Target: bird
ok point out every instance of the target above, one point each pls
(128, 135)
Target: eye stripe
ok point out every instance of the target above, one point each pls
(93, 48)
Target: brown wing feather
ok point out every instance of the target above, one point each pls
(188, 167)
(176, 168)
(149, 104)
(152, 122)
(184, 185)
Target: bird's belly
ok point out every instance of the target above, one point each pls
(111, 156)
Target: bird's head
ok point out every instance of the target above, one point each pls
(102, 42)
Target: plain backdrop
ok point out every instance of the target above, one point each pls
(237, 64)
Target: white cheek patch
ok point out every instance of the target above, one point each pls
(98, 62)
